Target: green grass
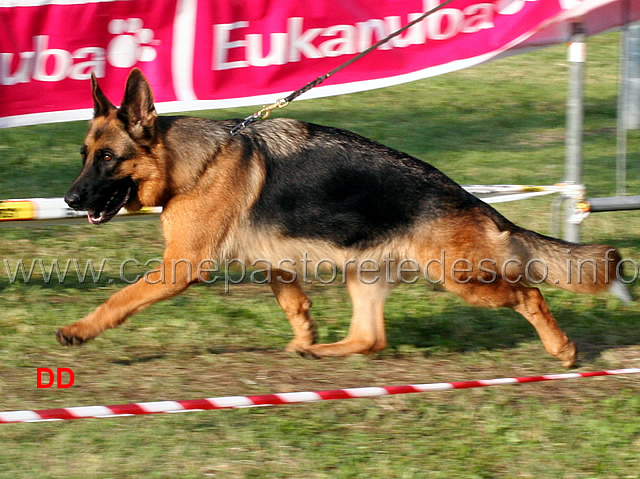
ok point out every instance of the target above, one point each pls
(499, 123)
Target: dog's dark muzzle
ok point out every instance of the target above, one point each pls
(101, 204)
(73, 199)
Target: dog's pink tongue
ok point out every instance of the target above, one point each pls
(89, 218)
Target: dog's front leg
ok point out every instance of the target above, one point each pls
(170, 279)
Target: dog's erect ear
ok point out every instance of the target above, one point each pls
(137, 110)
(101, 104)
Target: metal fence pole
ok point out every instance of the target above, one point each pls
(628, 98)
(575, 116)
(621, 137)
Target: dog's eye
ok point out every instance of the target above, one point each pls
(107, 157)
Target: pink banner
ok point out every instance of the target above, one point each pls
(200, 54)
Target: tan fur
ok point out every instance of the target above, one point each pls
(366, 332)
(295, 305)
(474, 238)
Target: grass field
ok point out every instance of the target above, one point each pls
(499, 123)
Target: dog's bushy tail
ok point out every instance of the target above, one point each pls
(582, 268)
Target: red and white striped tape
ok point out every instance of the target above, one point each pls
(231, 402)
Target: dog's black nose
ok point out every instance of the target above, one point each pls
(72, 199)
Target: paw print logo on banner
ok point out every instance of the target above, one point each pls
(132, 44)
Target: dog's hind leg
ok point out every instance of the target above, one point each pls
(295, 305)
(367, 332)
(526, 301)
(534, 308)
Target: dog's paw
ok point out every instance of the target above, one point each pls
(68, 339)
(307, 354)
(301, 348)
(303, 352)
(570, 359)
(298, 346)
(568, 355)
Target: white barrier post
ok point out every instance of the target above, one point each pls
(575, 115)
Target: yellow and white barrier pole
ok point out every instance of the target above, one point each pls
(38, 211)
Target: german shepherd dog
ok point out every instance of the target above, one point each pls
(283, 189)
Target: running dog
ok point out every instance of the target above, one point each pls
(282, 189)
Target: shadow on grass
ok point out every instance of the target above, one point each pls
(139, 359)
(240, 349)
(461, 328)
(620, 241)
(429, 321)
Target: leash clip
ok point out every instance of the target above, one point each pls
(261, 114)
